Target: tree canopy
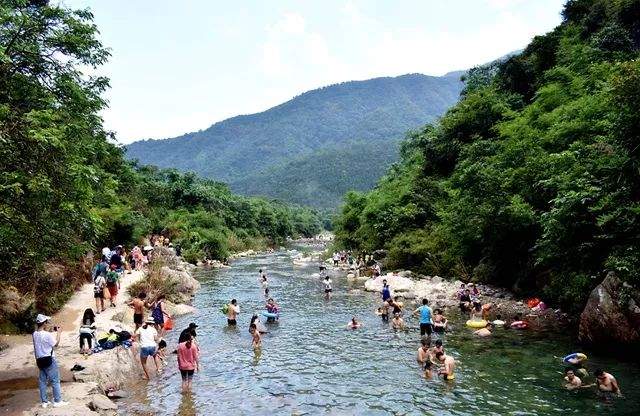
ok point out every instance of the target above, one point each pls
(532, 181)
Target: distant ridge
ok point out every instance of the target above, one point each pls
(323, 124)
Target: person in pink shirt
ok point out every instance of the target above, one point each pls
(187, 362)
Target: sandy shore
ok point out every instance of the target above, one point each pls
(18, 369)
(110, 369)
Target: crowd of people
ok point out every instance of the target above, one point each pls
(152, 319)
(432, 355)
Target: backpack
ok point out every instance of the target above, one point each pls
(98, 284)
(112, 278)
(99, 270)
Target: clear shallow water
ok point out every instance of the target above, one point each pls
(311, 364)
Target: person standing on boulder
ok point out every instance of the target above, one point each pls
(386, 291)
(44, 343)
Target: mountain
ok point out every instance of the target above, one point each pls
(254, 153)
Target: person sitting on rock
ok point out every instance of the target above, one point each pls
(465, 301)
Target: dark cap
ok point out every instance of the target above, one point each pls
(193, 325)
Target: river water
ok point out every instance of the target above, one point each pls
(311, 364)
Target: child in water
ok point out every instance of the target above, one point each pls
(397, 323)
(354, 324)
(162, 348)
(255, 334)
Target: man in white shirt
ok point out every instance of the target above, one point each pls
(147, 338)
(43, 344)
(327, 286)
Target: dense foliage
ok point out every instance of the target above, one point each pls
(250, 152)
(322, 178)
(533, 180)
(65, 187)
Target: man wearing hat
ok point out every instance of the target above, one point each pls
(43, 344)
(189, 333)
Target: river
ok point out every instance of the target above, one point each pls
(311, 364)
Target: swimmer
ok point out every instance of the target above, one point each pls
(439, 321)
(271, 307)
(354, 324)
(607, 383)
(232, 312)
(465, 301)
(437, 348)
(484, 332)
(255, 334)
(572, 381)
(423, 352)
(327, 287)
(449, 366)
(397, 322)
(384, 312)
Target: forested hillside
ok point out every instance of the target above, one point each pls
(533, 180)
(247, 151)
(66, 188)
(322, 178)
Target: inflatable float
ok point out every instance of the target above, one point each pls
(476, 323)
(270, 315)
(574, 358)
(519, 325)
(224, 309)
(498, 322)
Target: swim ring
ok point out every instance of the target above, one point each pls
(575, 356)
(498, 322)
(519, 325)
(224, 309)
(270, 315)
(476, 324)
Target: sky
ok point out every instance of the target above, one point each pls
(180, 66)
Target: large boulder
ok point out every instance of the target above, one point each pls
(397, 283)
(612, 315)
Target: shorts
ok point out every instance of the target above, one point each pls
(450, 377)
(427, 365)
(98, 295)
(138, 318)
(328, 290)
(147, 352)
(231, 322)
(426, 329)
(186, 374)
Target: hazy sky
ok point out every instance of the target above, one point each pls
(180, 66)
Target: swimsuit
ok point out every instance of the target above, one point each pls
(231, 321)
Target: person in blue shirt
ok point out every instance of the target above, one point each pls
(386, 291)
(426, 324)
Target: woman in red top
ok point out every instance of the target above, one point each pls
(187, 362)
